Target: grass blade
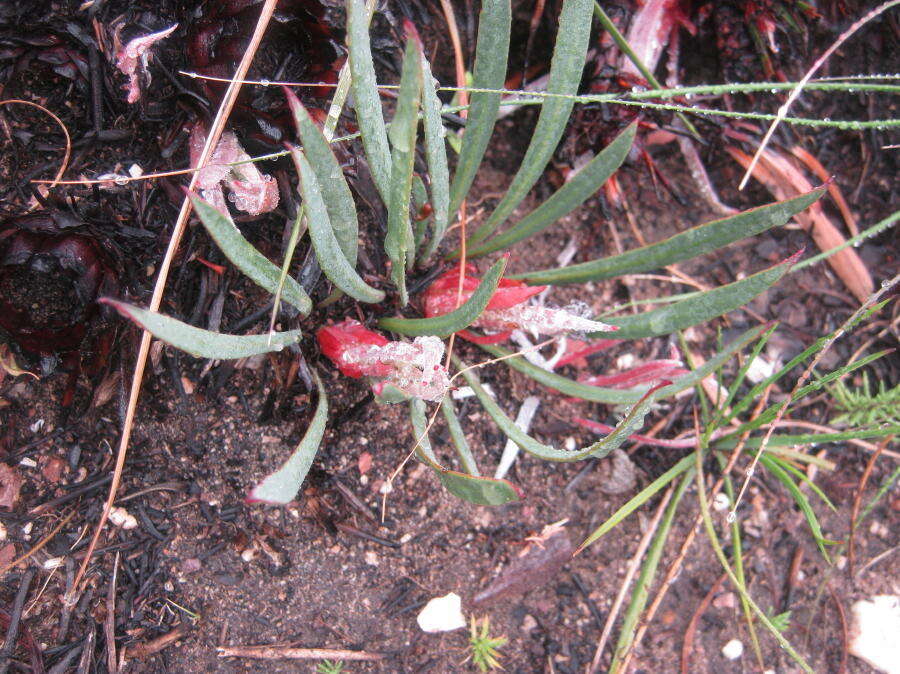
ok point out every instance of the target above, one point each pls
(369, 115)
(457, 320)
(398, 243)
(245, 257)
(202, 343)
(335, 190)
(491, 54)
(632, 422)
(599, 394)
(696, 241)
(283, 485)
(566, 68)
(638, 500)
(566, 199)
(699, 308)
(435, 157)
(328, 251)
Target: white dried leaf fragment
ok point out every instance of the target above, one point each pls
(413, 367)
(133, 58)
(442, 614)
(874, 628)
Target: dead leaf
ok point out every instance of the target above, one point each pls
(539, 566)
(784, 180)
(10, 486)
(105, 389)
(364, 463)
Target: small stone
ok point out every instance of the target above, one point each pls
(371, 558)
(874, 627)
(733, 649)
(442, 614)
(120, 517)
(726, 600)
(529, 622)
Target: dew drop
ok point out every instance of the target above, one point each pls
(120, 180)
(731, 517)
(265, 83)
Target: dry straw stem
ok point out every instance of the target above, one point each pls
(633, 568)
(212, 139)
(795, 94)
(287, 653)
(68, 153)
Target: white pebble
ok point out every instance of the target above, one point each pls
(873, 632)
(442, 614)
(733, 649)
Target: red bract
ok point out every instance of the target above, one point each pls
(507, 309)
(441, 296)
(336, 340)
(133, 58)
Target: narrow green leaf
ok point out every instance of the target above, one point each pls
(699, 308)
(613, 396)
(566, 199)
(369, 115)
(771, 412)
(802, 477)
(398, 242)
(731, 440)
(631, 423)
(471, 488)
(456, 320)
(283, 485)
(458, 436)
(328, 251)
(435, 157)
(800, 499)
(696, 241)
(335, 190)
(491, 54)
(245, 257)
(566, 68)
(640, 499)
(203, 343)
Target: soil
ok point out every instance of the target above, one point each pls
(340, 567)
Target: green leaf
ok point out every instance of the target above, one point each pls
(369, 115)
(731, 440)
(566, 68)
(456, 320)
(631, 423)
(398, 243)
(335, 190)
(245, 257)
(640, 499)
(696, 241)
(474, 489)
(566, 199)
(491, 54)
(328, 251)
(599, 394)
(800, 499)
(202, 343)
(283, 485)
(699, 308)
(458, 436)
(435, 157)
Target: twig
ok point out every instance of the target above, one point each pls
(46, 539)
(148, 648)
(212, 140)
(109, 624)
(795, 93)
(857, 502)
(691, 630)
(288, 653)
(12, 633)
(633, 567)
(845, 638)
